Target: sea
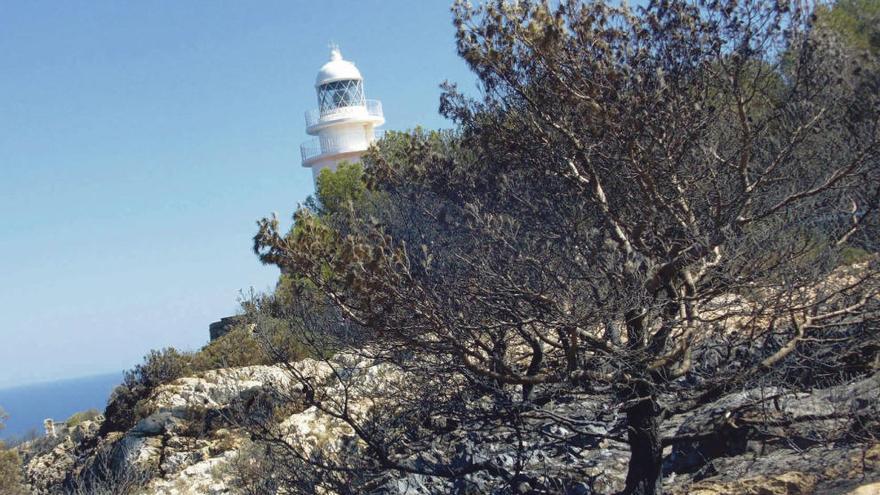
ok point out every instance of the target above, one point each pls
(28, 405)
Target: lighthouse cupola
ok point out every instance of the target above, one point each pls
(344, 121)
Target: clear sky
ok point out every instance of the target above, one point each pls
(139, 143)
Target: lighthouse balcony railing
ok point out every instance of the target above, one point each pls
(330, 145)
(370, 108)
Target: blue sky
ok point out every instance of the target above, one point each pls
(140, 141)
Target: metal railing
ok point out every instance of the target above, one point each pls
(310, 149)
(328, 145)
(370, 108)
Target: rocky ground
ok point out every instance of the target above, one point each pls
(189, 442)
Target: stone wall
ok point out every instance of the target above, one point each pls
(222, 327)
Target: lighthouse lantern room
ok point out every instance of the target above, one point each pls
(344, 121)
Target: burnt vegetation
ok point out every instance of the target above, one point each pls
(646, 210)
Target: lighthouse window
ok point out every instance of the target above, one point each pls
(339, 94)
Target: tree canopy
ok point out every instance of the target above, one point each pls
(649, 205)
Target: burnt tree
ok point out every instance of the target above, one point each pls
(635, 190)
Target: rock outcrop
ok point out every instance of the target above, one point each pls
(190, 439)
(47, 471)
(759, 421)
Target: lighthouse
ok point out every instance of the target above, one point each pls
(344, 122)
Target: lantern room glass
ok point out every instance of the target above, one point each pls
(340, 94)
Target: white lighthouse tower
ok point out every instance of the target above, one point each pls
(344, 121)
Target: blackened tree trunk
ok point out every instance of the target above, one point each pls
(645, 466)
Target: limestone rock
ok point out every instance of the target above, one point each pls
(790, 483)
(191, 440)
(46, 471)
(726, 427)
(869, 489)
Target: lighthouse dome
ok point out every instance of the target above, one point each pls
(337, 69)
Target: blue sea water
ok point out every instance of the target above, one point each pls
(29, 405)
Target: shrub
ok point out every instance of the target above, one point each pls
(78, 418)
(252, 471)
(850, 255)
(125, 407)
(236, 348)
(259, 340)
(341, 188)
(11, 479)
(159, 367)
